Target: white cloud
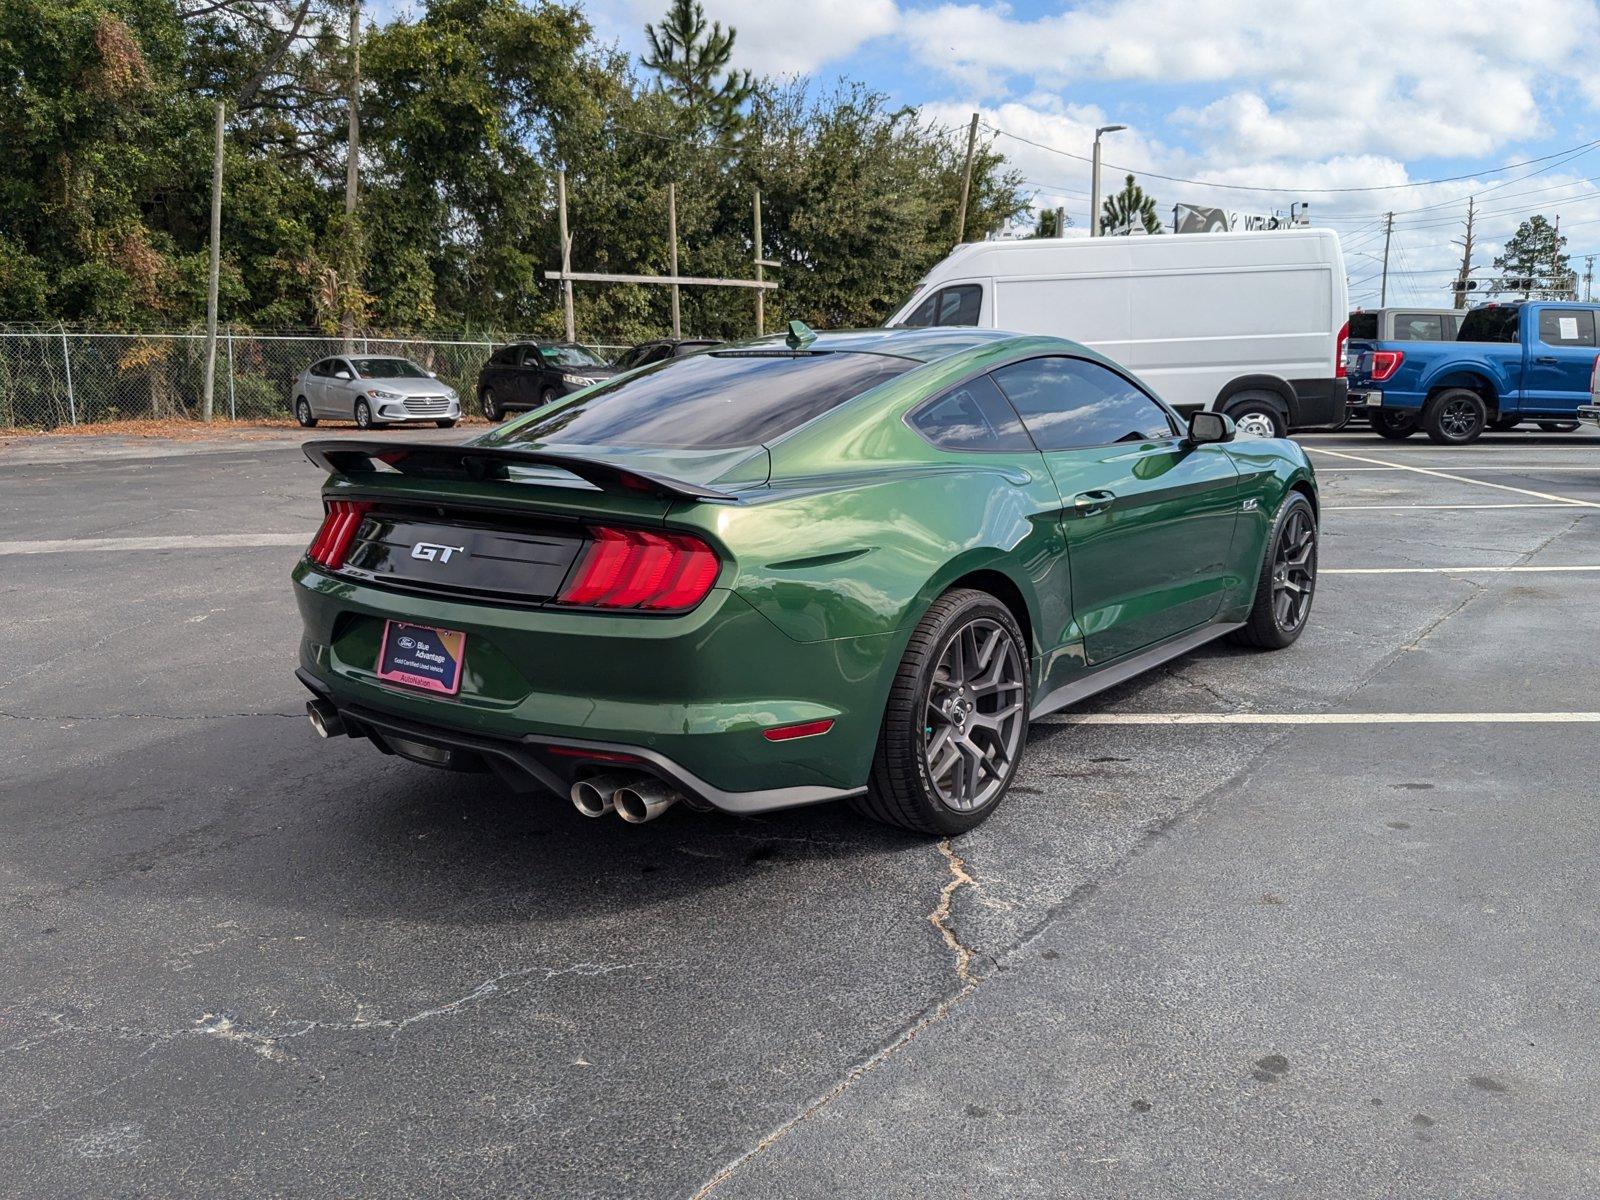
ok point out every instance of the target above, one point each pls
(773, 38)
(1412, 78)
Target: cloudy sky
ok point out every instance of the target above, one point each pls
(1281, 100)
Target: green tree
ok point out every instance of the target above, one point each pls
(1047, 226)
(692, 60)
(1129, 208)
(1535, 256)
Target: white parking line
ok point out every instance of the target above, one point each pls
(1404, 507)
(1530, 467)
(1446, 570)
(215, 541)
(1504, 487)
(1375, 718)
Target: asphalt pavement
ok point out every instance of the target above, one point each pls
(1296, 924)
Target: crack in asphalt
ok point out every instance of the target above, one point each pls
(939, 918)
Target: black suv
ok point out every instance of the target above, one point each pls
(660, 350)
(530, 374)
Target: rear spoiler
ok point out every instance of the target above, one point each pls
(341, 456)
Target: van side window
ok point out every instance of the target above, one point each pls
(1070, 403)
(973, 416)
(957, 305)
(1566, 327)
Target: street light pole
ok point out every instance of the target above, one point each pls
(1094, 202)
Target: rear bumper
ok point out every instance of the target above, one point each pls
(1317, 403)
(689, 695)
(553, 764)
(1590, 413)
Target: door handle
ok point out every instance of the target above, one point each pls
(1546, 358)
(1086, 504)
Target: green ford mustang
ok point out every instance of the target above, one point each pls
(815, 567)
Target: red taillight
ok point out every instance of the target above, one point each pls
(1385, 363)
(339, 525)
(638, 569)
(786, 733)
(1340, 369)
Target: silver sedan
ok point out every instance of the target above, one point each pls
(372, 391)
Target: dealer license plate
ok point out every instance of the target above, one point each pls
(422, 656)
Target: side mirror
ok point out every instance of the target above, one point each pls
(433, 374)
(341, 373)
(1206, 427)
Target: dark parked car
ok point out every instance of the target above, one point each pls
(529, 374)
(660, 350)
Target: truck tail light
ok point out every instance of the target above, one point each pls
(637, 569)
(340, 521)
(1339, 367)
(1385, 363)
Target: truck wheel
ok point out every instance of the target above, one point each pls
(1455, 417)
(1505, 424)
(1395, 426)
(1558, 426)
(1257, 418)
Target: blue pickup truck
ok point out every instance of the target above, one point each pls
(1526, 361)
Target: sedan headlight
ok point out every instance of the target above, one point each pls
(577, 380)
(450, 394)
(380, 394)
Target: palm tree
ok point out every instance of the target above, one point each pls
(1128, 208)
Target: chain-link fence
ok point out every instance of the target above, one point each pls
(72, 377)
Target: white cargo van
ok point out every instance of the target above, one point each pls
(1250, 324)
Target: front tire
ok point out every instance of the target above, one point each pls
(1393, 426)
(956, 722)
(1455, 417)
(1287, 581)
(363, 414)
(302, 413)
(491, 406)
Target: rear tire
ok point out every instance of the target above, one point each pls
(1258, 418)
(956, 722)
(1287, 582)
(491, 406)
(1558, 426)
(1396, 427)
(1455, 417)
(302, 413)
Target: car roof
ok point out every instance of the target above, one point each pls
(925, 344)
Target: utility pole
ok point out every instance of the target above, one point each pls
(966, 180)
(1388, 232)
(761, 295)
(672, 235)
(1061, 222)
(566, 251)
(209, 383)
(352, 175)
(1466, 257)
(1094, 188)
(1588, 279)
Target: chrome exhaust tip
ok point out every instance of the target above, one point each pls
(594, 797)
(324, 718)
(644, 800)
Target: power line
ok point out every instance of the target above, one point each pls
(1283, 187)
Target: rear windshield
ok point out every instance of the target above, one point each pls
(1364, 325)
(708, 401)
(1489, 325)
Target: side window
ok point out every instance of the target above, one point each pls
(1419, 327)
(1566, 327)
(320, 369)
(948, 306)
(1068, 403)
(973, 416)
(629, 359)
(530, 357)
(656, 354)
(504, 357)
